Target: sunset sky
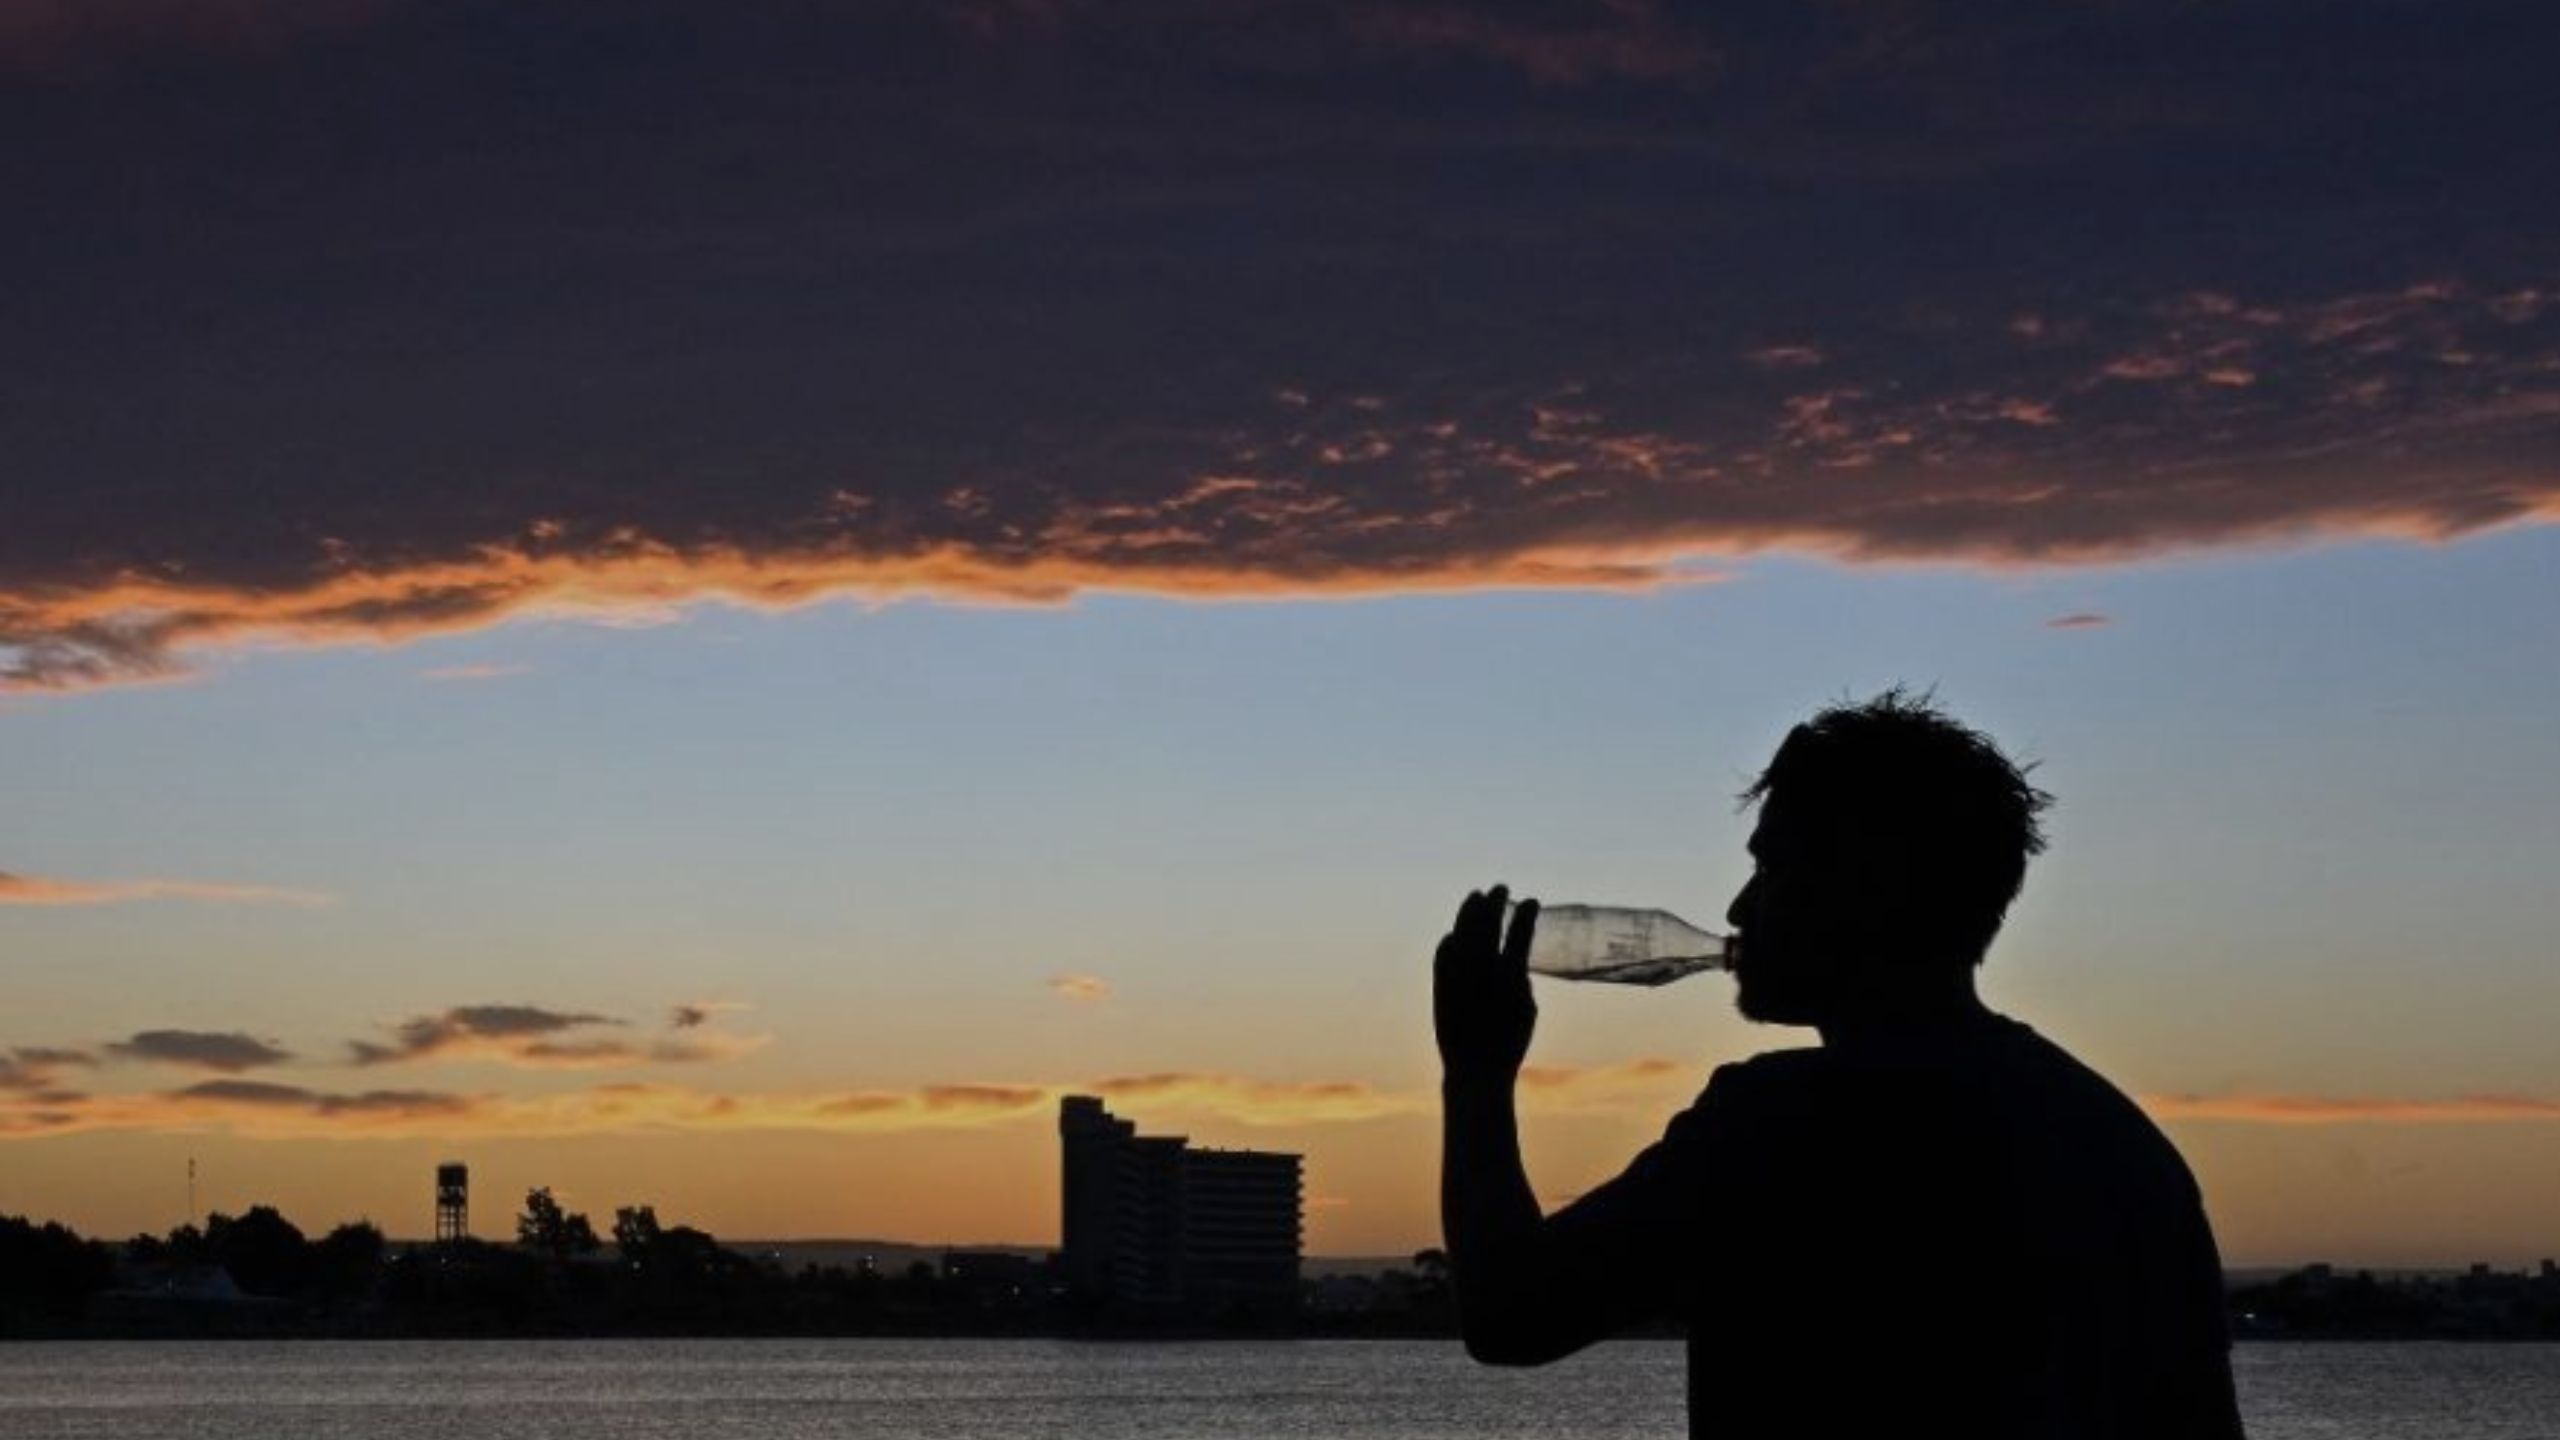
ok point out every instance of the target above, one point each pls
(714, 604)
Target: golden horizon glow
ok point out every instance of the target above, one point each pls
(33, 1106)
(49, 891)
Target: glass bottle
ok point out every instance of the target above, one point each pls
(1620, 944)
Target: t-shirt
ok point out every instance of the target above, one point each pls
(1967, 1233)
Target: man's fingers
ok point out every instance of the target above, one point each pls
(1478, 931)
(1524, 929)
(1471, 932)
(1450, 957)
(1476, 920)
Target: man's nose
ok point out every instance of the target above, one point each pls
(1735, 914)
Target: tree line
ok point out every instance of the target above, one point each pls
(259, 1273)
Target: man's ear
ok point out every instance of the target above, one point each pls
(1866, 855)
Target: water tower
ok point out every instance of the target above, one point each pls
(453, 1201)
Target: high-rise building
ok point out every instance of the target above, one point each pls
(1151, 1224)
(453, 1201)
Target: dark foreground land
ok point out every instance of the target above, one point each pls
(258, 1275)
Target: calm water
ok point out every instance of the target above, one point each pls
(1003, 1390)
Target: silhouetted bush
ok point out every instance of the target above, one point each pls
(264, 1252)
(47, 1273)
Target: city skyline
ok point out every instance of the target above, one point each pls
(722, 605)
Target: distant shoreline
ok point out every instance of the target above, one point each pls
(258, 1276)
(1205, 1337)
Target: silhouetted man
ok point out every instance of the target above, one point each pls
(1937, 1223)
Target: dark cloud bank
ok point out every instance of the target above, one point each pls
(372, 319)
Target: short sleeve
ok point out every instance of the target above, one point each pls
(1636, 1238)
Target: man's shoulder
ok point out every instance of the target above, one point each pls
(1741, 1092)
(1775, 1067)
(2005, 1067)
(1767, 1075)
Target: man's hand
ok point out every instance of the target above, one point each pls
(1480, 1004)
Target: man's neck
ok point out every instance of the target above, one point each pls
(1933, 1011)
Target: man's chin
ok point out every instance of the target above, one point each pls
(1759, 1003)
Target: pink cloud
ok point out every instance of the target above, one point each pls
(1786, 357)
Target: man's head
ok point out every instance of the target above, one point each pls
(1890, 843)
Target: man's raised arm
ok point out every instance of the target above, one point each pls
(1528, 1290)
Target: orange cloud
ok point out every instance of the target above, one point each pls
(997, 1098)
(1080, 987)
(474, 672)
(1258, 1102)
(1627, 1084)
(253, 1108)
(2143, 367)
(2350, 1110)
(264, 1110)
(38, 890)
(133, 629)
(32, 1104)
